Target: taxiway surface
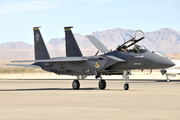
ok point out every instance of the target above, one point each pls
(56, 100)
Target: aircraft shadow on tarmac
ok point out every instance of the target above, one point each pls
(38, 89)
(132, 81)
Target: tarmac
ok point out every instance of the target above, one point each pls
(54, 99)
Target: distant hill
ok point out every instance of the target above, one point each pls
(16, 50)
(16, 46)
(165, 40)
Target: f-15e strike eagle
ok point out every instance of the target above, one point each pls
(117, 62)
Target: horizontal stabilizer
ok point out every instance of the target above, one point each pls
(97, 43)
(24, 65)
(59, 59)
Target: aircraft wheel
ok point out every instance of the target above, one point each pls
(76, 84)
(102, 84)
(126, 86)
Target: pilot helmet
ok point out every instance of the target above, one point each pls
(136, 46)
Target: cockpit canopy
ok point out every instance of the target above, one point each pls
(132, 39)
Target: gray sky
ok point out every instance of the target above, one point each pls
(18, 17)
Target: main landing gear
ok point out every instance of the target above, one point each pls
(102, 84)
(76, 84)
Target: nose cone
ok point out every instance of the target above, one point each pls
(160, 63)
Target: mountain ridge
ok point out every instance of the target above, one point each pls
(166, 40)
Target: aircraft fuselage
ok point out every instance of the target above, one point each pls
(146, 60)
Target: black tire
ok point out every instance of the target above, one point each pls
(75, 84)
(126, 86)
(102, 84)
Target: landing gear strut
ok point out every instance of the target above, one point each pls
(167, 76)
(102, 83)
(76, 84)
(126, 77)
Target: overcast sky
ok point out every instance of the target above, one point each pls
(18, 17)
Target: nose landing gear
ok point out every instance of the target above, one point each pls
(126, 74)
(126, 86)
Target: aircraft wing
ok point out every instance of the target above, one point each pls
(97, 43)
(59, 59)
(24, 65)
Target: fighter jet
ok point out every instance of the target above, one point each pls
(115, 62)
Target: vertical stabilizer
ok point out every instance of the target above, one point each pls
(72, 48)
(39, 46)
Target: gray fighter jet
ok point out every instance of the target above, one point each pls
(117, 62)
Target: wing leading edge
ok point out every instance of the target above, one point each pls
(59, 59)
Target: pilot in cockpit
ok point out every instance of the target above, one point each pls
(136, 48)
(124, 48)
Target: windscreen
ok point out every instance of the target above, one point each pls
(161, 54)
